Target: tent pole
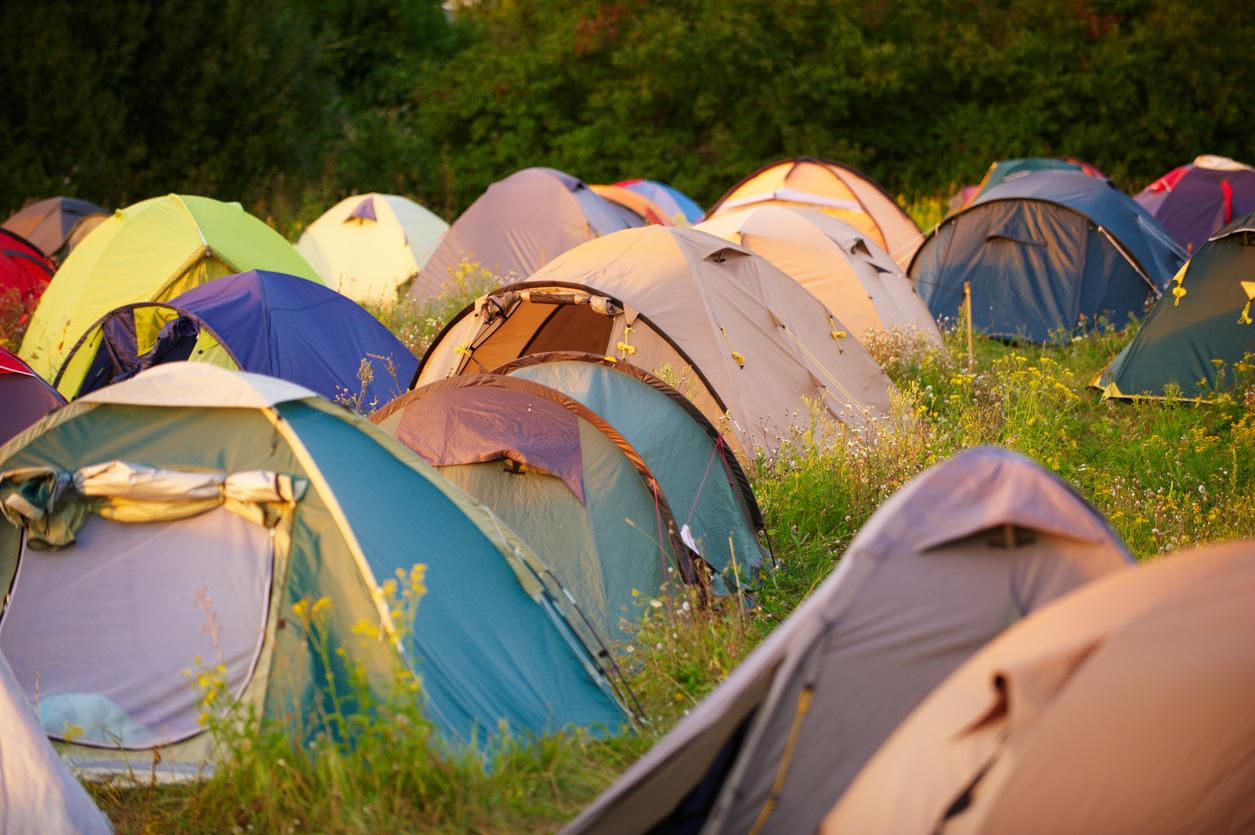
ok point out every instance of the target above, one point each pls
(967, 308)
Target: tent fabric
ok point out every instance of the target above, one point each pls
(1123, 707)
(24, 396)
(640, 205)
(261, 322)
(1205, 319)
(607, 534)
(151, 251)
(517, 226)
(759, 350)
(1194, 201)
(57, 224)
(855, 279)
(24, 271)
(834, 189)
(491, 641)
(1045, 254)
(37, 792)
(942, 567)
(681, 208)
(368, 246)
(698, 473)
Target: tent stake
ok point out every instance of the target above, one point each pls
(967, 307)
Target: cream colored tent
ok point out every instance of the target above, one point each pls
(1124, 707)
(941, 568)
(368, 245)
(833, 189)
(841, 266)
(37, 792)
(751, 347)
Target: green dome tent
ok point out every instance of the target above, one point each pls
(1199, 330)
(191, 489)
(699, 474)
(560, 477)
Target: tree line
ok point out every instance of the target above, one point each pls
(286, 106)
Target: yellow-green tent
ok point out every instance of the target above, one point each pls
(151, 251)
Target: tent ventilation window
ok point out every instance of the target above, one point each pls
(1009, 537)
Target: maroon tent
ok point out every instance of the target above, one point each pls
(24, 396)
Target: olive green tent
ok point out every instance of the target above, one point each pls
(193, 497)
(1200, 333)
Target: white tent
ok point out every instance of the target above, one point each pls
(368, 245)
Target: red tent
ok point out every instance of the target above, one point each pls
(24, 396)
(24, 270)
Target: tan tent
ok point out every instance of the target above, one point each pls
(941, 568)
(833, 189)
(841, 266)
(744, 339)
(1125, 707)
(37, 792)
(639, 204)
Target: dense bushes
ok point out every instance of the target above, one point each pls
(284, 106)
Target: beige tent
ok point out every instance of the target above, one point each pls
(833, 189)
(748, 344)
(368, 245)
(37, 792)
(1125, 707)
(841, 266)
(941, 568)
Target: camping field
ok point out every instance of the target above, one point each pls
(1166, 476)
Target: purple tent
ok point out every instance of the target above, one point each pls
(1193, 201)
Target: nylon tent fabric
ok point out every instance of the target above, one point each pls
(681, 208)
(1201, 333)
(151, 251)
(24, 273)
(24, 396)
(572, 487)
(834, 189)
(698, 473)
(37, 792)
(517, 226)
(1046, 254)
(1009, 168)
(855, 279)
(1195, 201)
(262, 322)
(753, 349)
(950, 560)
(635, 202)
(490, 642)
(55, 225)
(1123, 707)
(368, 246)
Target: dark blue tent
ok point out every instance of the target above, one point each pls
(263, 322)
(1046, 254)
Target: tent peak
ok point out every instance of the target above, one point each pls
(183, 384)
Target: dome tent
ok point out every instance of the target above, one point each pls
(150, 252)
(56, 225)
(24, 396)
(635, 202)
(1122, 707)
(760, 349)
(24, 271)
(691, 459)
(561, 477)
(1005, 169)
(1204, 319)
(37, 792)
(942, 567)
(831, 188)
(368, 246)
(1045, 254)
(855, 279)
(263, 322)
(317, 503)
(1194, 201)
(520, 224)
(681, 208)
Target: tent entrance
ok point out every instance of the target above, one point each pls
(109, 636)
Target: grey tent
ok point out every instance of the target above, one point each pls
(1124, 707)
(37, 792)
(517, 226)
(948, 562)
(57, 224)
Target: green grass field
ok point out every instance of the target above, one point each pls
(1166, 476)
